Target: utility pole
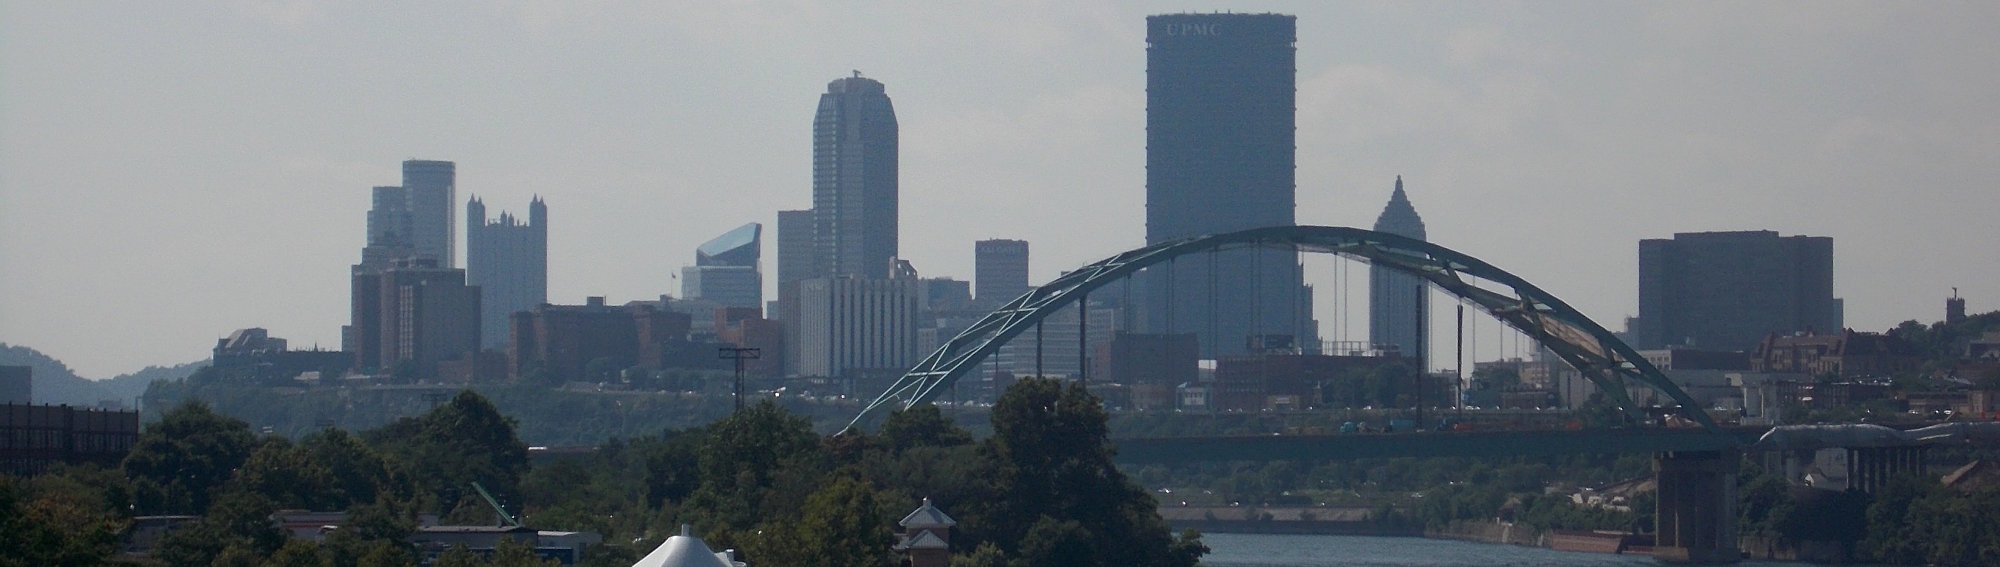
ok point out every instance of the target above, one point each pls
(739, 354)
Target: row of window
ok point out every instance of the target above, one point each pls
(85, 441)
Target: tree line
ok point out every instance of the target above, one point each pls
(1040, 491)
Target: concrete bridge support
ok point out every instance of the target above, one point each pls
(1696, 515)
(1870, 469)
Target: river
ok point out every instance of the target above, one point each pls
(1265, 550)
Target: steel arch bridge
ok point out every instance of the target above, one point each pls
(1595, 352)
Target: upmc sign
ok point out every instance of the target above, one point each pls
(1193, 29)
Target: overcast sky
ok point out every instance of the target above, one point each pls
(172, 171)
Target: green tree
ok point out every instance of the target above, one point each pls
(455, 445)
(1050, 458)
(843, 524)
(181, 460)
(300, 553)
(922, 426)
(236, 528)
(359, 473)
(288, 476)
(760, 463)
(512, 552)
(55, 526)
(1893, 535)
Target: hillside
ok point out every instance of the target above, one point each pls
(55, 383)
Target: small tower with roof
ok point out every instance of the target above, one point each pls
(927, 536)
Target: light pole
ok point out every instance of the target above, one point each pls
(739, 354)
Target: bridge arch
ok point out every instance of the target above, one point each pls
(1595, 352)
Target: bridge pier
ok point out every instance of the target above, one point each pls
(1870, 469)
(1696, 516)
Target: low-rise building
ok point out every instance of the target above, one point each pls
(1847, 355)
(36, 437)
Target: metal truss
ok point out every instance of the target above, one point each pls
(1595, 352)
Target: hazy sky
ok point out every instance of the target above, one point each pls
(172, 171)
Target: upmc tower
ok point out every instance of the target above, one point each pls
(1220, 94)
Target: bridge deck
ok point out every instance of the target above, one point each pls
(1427, 444)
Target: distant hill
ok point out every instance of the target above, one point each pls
(55, 383)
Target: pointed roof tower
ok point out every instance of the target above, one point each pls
(927, 516)
(1400, 217)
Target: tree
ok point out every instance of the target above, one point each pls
(287, 475)
(457, 444)
(922, 426)
(57, 526)
(1893, 535)
(180, 460)
(359, 473)
(1050, 461)
(843, 524)
(299, 553)
(237, 528)
(760, 463)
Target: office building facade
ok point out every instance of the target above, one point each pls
(1729, 290)
(1398, 303)
(851, 325)
(431, 187)
(854, 180)
(411, 311)
(509, 261)
(1220, 157)
(727, 270)
(1000, 271)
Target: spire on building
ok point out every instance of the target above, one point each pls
(1400, 217)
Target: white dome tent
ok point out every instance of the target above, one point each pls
(685, 550)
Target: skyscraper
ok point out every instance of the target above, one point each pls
(795, 263)
(431, 189)
(795, 245)
(411, 311)
(509, 261)
(1396, 300)
(1728, 290)
(1220, 99)
(389, 223)
(854, 180)
(1000, 271)
(726, 269)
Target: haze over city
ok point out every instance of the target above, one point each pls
(171, 173)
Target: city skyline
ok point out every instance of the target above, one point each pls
(227, 177)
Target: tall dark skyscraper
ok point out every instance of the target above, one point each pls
(1220, 99)
(1396, 299)
(509, 261)
(1000, 270)
(1728, 290)
(431, 187)
(854, 180)
(795, 245)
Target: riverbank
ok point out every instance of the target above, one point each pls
(1290, 521)
(1359, 522)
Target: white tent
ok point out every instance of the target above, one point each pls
(685, 550)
